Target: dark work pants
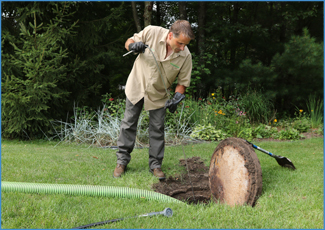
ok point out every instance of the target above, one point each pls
(126, 140)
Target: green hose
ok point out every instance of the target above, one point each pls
(87, 190)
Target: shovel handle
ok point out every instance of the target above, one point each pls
(283, 161)
(259, 148)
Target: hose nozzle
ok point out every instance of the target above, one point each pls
(167, 212)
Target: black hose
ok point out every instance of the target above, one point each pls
(167, 212)
(98, 223)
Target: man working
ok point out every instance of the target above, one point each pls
(146, 86)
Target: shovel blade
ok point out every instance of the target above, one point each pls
(284, 162)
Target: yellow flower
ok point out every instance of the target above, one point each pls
(214, 98)
(275, 120)
(212, 94)
(300, 110)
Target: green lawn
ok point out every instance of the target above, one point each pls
(290, 199)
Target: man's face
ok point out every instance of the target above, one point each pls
(178, 44)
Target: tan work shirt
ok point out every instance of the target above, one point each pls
(145, 81)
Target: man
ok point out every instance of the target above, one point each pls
(146, 86)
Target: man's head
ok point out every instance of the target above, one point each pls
(180, 34)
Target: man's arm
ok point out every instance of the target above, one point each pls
(127, 43)
(180, 88)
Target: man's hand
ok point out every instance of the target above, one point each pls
(137, 47)
(171, 104)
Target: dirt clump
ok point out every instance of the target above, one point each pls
(191, 187)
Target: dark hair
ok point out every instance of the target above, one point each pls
(182, 27)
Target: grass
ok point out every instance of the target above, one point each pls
(290, 199)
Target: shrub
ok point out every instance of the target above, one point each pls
(302, 125)
(264, 131)
(246, 133)
(320, 130)
(258, 108)
(115, 107)
(315, 109)
(288, 134)
(31, 77)
(208, 133)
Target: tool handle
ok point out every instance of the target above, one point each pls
(127, 53)
(259, 148)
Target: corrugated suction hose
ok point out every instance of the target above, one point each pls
(87, 190)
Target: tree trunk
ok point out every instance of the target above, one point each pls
(235, 174)
(147, 13)
(234, 20)
(283, 26)
(158, 14)
(182, 10)
(135, 17)
(201, 26)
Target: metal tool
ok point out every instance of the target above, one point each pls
(167, 212)
(283, 161)
(127, 53)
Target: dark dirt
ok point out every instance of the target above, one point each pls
(179, 187)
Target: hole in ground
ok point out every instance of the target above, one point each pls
(180, 186)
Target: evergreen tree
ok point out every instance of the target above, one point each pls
(31, 75)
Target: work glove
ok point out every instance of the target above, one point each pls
(137, 47)
(171, 104)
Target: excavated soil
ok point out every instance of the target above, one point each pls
(191, 187)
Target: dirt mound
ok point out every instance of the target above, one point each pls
(180, 186)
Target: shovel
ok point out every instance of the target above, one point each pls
(283, 161)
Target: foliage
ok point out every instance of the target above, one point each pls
(237, 45)
(301, 122)
(264, 131)
(208, 133)
(315, 109)
(72, 46)
(299, 69)
(115, 107)
(213, 119)
(320, 129)
(33, 74)
(246, 133)
(199, 70)
(257, 106)
(288, 134)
